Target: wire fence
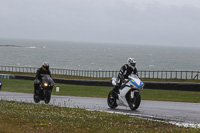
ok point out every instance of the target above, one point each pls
(108, 74)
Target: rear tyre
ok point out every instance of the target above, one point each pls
(47, 96)
(134, 103)
(111, 100)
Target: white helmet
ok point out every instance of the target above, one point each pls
(131, 62)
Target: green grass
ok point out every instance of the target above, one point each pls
(25, 117)
(26, 86)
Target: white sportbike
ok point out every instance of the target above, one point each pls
(129, 93)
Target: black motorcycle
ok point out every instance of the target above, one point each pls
(44, 90)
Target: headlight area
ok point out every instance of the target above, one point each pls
(45, 84)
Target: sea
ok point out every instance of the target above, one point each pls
(97, 56)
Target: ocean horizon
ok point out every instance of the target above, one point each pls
(97, 56)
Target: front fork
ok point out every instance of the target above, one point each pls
(132, 94)
(133, 91)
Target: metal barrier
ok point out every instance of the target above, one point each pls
(108, 74)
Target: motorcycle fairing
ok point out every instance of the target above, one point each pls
(137, 84)
(123, 92)
(124, 85)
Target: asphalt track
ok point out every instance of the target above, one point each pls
(179, 113)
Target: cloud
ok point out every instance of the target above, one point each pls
(162, 22)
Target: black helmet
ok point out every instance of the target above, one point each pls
(45, 66)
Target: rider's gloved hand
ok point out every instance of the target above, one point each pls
(37, 81)
(124, 81)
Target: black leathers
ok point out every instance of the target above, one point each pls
(124, 72)
(38, 76)
(42, 71)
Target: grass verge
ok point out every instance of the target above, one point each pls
(25, 117)
(26, 86)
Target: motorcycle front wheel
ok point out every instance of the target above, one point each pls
(36, 98)
(134, 103)
(111, 100)
(47, 96)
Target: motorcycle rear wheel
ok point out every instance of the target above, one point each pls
(111, 100)
(134, 103)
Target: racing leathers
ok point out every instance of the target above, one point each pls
(38, 77)
(124, 72)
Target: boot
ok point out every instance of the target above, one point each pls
(116, 89)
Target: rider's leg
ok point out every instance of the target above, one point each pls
(116, 87)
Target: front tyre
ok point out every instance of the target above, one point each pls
(111, 100)
(47, 96)
(36, 98)
(134, 103)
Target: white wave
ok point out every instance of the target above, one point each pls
(151, 65)
(31, 47)
(34, 47)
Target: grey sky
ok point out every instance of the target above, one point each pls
(161, 22)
